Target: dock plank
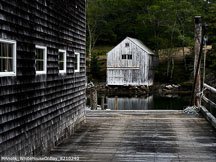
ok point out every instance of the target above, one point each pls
(141, 136)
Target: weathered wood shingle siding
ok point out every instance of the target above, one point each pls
(38, 111)
(136, 71)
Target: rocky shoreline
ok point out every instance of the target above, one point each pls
(139, 90)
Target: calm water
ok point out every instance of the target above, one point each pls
(152, 102)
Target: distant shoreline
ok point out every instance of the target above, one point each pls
(138, 90)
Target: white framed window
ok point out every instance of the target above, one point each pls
(62, 55)
(77, 62)
(7, 57)
(124, 56)
(41, 59)
(129, 57)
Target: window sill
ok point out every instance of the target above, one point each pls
(62, 71)
(122, 68)
(7, 74)
(40, 72)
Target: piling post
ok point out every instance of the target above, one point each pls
(102, 102)
(93, 98)
(197, 49)
(116, 103)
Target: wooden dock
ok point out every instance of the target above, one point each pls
(151, 136)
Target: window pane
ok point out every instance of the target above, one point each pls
(124, 56)
(40, 59)
(61, 65)
(39, 66)
(75, 62)
(6, 57)
(6, 65)
(6, 50)
(130, 57)
(61, 60)
(39, 54)
(61, 56)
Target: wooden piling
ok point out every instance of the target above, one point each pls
(102, 103)
(93, 98)
(116, 103)
(197, 45)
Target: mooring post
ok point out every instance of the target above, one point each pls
(93, 98)
(102, 102)
(197, 57)
(116, 103)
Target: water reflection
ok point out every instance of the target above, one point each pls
(151, 102)
(133, 103)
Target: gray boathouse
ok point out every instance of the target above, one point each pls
(131, 63)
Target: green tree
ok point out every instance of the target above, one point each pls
(185, 12)
(95, 21)
(94, 66)
(165, 25)
(211, 20)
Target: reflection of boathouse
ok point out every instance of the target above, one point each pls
(123, 103)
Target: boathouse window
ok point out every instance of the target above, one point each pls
(126, 44)
(124, 56)
(129, 57)
(62, 61)
(7, 57)
(41, 59)
(77, 62)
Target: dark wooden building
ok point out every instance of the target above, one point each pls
(42, 73)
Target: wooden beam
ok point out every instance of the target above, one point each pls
(208, 101)
(213, 90)
(208, 116)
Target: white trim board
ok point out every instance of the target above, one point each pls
(45, 60)
(14, 43)
(78, 62)
(65, 61)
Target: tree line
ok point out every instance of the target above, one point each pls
(160, 24)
